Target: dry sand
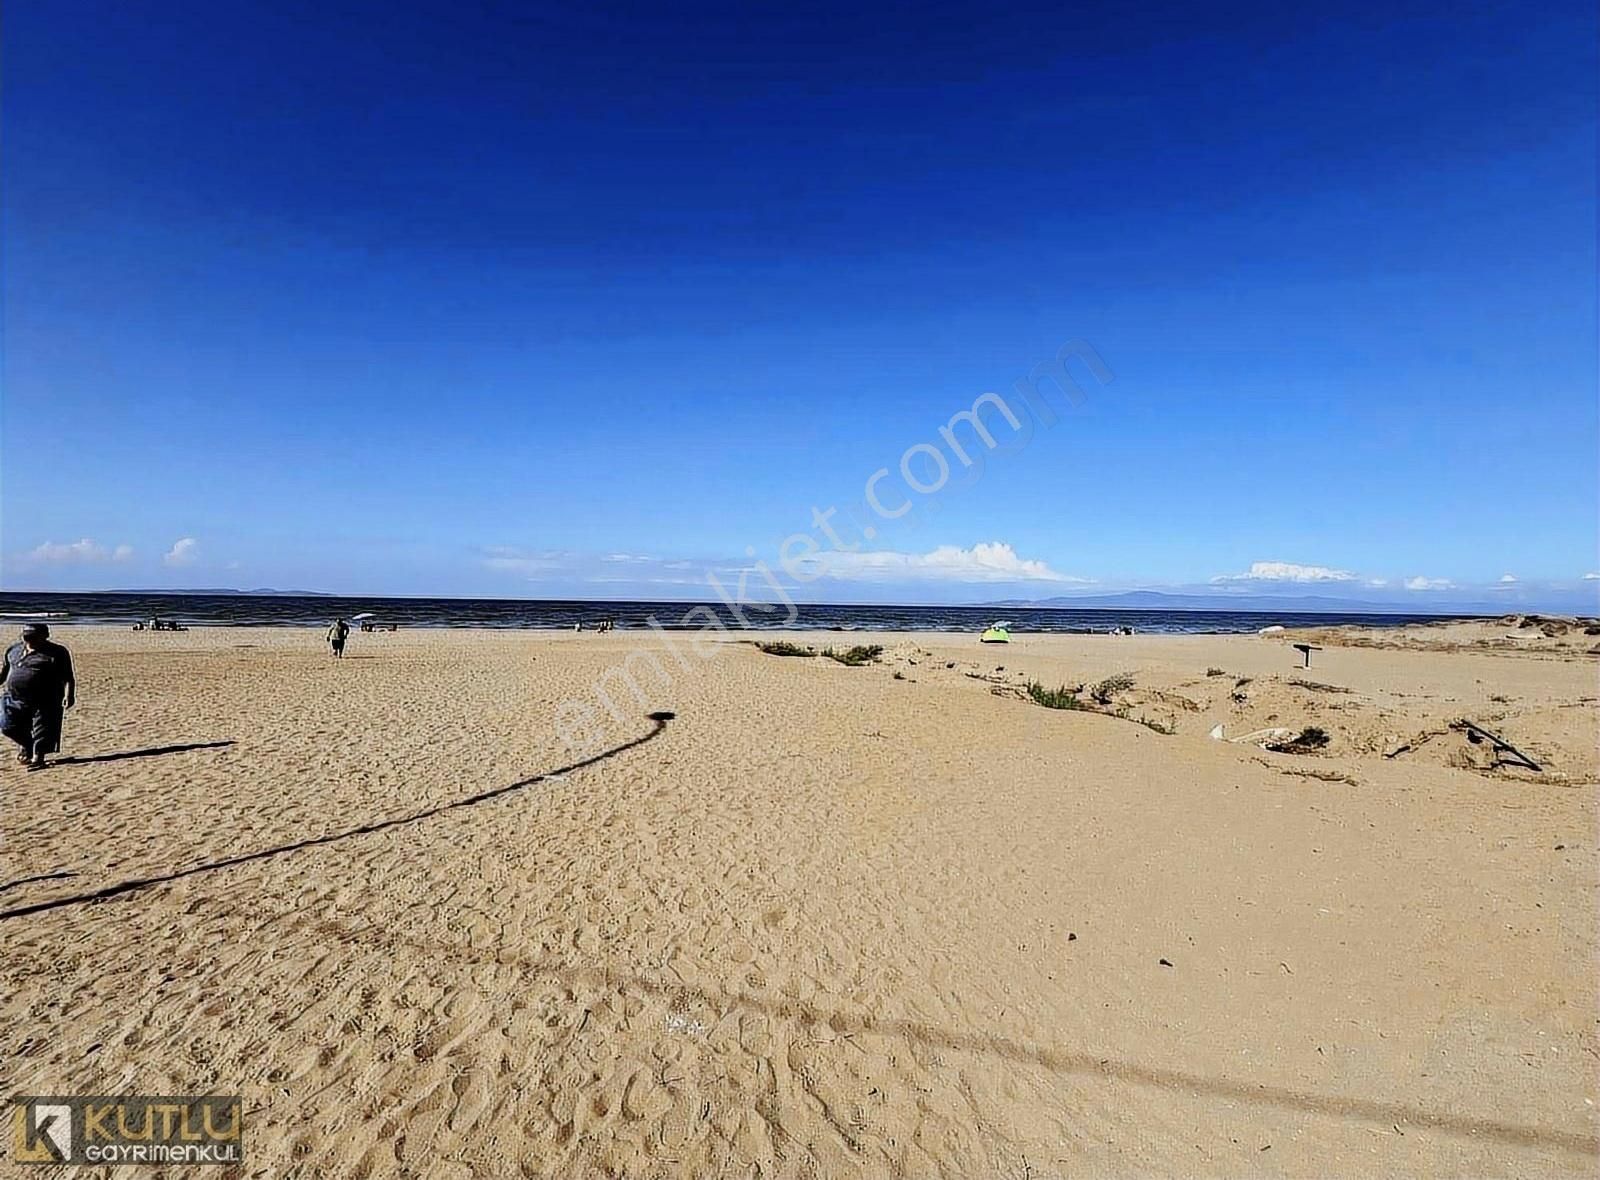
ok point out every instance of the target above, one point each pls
(893, 920)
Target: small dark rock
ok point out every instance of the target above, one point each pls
(1072, 937)
(1164, 962)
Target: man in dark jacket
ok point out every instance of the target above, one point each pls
(37, 683)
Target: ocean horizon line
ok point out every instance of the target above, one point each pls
(243, 610)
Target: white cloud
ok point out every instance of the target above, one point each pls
(992, 561)
(986, 562)
(516, 561)
(184, 551)
(1591, 577)
(1377, 583)
(84, 552)
(1508, 579)
(1287, 571)
(1420, 583)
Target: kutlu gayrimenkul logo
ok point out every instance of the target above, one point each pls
(128, 1129)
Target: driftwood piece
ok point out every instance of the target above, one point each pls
(1327, 776)
(1422, 738)
(1501, 747)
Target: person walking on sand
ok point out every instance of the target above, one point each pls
(36, 687)
(337, 634)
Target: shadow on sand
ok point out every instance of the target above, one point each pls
(1068, 1063)
(1063, 1062)
(152, 752)
(1059, 1061)
(124, 887)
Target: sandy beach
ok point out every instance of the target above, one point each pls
(889, 920)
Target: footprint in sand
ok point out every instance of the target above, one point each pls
(752, 1142)
(645, 1097)
(682, 1117)
(473, 1093)
(753, 1034)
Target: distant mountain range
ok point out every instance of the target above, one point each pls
(1307, 604)
(264, 592)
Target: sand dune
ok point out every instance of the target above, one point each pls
(893, 920)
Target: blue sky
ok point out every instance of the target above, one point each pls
(546, 301)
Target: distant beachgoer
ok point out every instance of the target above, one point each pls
(37, 682)
(337, 634)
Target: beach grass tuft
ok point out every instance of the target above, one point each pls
(1110, 687)
(1055, 698)
(854, 657)
(782, 647)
